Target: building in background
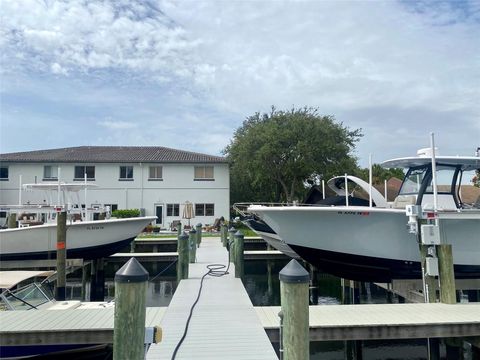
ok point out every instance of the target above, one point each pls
(157, 180)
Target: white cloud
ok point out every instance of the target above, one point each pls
(85, 36)
(117, 125)
(194, 70)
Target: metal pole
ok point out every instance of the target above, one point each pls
(130, 311)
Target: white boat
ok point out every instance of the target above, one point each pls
(30, 290)
(86, 239)
(335, 184)
(373, 243)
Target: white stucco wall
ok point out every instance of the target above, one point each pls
(177, 187)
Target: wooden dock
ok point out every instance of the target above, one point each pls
(74, 326)
(382, 321)
(224, 324)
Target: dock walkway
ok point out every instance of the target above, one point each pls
(224, 324)
(72, 326)
(382, 321)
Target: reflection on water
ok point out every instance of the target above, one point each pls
(263, 286)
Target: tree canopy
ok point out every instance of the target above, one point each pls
(272, 155)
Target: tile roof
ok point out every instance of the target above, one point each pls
(112, 154)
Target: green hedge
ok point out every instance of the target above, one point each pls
(126, 213)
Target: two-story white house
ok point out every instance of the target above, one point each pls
(157, 180)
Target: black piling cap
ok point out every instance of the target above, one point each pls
(184, 236)
(199, 225)
(131, 272)
(232, 230)
(293, 272)
(238, 234)
(193, 231)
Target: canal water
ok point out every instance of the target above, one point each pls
(263, 286)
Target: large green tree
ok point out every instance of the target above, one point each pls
(272, 155)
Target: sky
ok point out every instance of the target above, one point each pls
(186, 74)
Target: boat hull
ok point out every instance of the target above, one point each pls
(368, 244)
(269, 236)
(85, 240)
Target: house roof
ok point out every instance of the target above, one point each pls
(112, 154)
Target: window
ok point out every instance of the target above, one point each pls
(50, 172)
(203, 172)
(126, 172)
(155, 173)
(80, 172)
(113, 207)
(173, 209)
(204, 209)
(3, 173)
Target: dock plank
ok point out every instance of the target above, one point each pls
(382, 321)
(224, 324)
(70, 326)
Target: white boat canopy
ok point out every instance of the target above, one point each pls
(377, 198)
(9, 279)
(466, 163)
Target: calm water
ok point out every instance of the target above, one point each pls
(263, 286)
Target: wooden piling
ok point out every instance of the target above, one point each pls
(294, 280)
(93, 280)
(100, 282)
(446, 274)
(183, 254)
(231, 242)
(192, 244)
(12, 220)
(60, 293)
(198, 228)
(130, 311)
(238, 255)
(179, 230)
(223, 234)
(83, 294)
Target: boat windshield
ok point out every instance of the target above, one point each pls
(27, 297)
(413, 180)
(416, 176)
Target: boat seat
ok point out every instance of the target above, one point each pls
(401, 201)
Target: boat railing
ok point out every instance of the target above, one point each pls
(242, 208)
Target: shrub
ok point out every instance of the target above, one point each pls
(126, 213)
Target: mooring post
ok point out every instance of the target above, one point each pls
(223, 234)
(231, 242)
(93, 279)
(132, 246)
(100, 282)
(130, 311)
(83, 294)
(183, 254)
(61, 255)
(198, 228)
(238, 259)
(448, 293)
(12, 220)
(192, 244)
(179, 230)
(294, 280)
(447, 277)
